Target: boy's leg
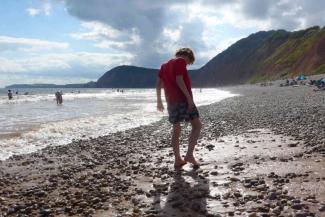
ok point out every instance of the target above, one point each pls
(175, 143)
(195, 133)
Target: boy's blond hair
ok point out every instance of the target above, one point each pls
(185, 51)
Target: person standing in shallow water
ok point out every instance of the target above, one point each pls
(9, 95)
(58, 97)
(175, 80)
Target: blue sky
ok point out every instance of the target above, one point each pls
(72, 41)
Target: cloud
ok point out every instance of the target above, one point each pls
(8, 66)
(257, 9)
(40, 79)
(45, 9)
(285, 14)
(63, 61)
(143, 21)
(59, 67)
(33, 11)
(107, 37)
(96, 31)
(140, 30)
(162, 26)
(29, 44)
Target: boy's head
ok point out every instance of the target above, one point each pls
(186, 53)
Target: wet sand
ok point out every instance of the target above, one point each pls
(262, 154)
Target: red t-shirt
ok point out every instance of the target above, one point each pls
(168, 72)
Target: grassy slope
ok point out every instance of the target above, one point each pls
(282, 61)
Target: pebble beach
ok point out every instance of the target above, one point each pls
(261, 153)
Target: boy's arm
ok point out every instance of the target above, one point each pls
(181, 85)
(160, 106)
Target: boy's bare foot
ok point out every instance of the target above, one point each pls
(192, 160)
(179, 164)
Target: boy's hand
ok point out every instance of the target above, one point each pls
(160, 106)
(190, 105)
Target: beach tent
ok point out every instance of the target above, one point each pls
(301, 78)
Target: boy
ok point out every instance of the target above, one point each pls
(174, 78)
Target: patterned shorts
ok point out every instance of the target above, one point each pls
(178, 112)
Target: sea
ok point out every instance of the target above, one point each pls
(32, 120)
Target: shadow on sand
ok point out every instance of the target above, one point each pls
(187, 196)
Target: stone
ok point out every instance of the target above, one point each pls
(234, 179)
(291, 145)
(253, 214)
(321, 208)
(302, 214)
(210, 147)
(297, 206)
(272, 195)
(196, 207)
(214, 173)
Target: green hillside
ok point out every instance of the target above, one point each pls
(267, 56)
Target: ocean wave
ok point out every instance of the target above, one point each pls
(33, 98)
(102, 113)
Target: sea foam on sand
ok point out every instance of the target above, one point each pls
(35, 121)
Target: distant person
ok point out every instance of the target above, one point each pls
(312, 82)
(59, 98)
(175, 80)
(321, 86)
(10, 95)
(293, 82)
(17, 92)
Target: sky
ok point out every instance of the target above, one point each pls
(77, 41)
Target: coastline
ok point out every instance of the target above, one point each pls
(34, 122)
(130, 173)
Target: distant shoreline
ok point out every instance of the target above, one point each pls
(93, 84)
(86, 85)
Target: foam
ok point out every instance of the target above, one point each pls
(86, 115)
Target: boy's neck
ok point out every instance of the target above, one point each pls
(185, 58)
